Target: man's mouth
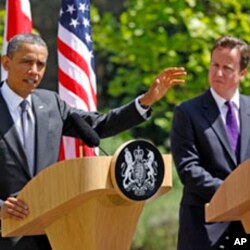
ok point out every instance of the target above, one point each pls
(218, 81)
(31, 82)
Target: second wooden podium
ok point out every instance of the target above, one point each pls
(76, 204)
(231, 202)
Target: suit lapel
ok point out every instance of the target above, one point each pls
(10, 135)
(212, 114)
(41, 115)
(244, 122)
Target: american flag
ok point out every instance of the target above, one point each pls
(17, 20)
(77, 81)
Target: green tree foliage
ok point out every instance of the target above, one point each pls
(2, 13)
(150, 35)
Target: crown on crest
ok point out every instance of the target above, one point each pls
(138, 153)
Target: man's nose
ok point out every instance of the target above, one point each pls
(33, 68)
(219, 72)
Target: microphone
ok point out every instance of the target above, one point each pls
(84, 131)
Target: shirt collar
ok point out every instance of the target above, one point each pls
(11, 98)
(221, 101)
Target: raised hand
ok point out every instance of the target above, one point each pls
(164, 81)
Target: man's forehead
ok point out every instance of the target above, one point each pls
(31, 50)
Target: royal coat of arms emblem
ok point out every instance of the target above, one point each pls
(139, 170)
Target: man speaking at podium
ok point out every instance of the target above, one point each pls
(33, 122)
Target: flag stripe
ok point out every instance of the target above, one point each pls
(72, 69)
(78, 145)
(77, 81)
(70, 97)
(72, 86)
(79, 61)
(80, 76)
(77, 45)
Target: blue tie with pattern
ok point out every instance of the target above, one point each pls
(27, 130)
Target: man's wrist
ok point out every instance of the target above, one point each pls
(144, 111)
(143, 105)
(145, 100)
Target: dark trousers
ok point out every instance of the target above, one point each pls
(227, 240)
(39, 242)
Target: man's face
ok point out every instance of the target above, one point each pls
(224, 72)
(25, 68)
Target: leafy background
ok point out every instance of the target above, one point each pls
(134, 41)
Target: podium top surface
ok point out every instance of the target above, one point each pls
(65, 185)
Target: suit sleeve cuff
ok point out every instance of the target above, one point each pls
(143, 111)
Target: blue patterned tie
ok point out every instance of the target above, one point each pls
(232, 128)
(28, 139)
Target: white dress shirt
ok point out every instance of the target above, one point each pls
(13, 102)
(223, 107)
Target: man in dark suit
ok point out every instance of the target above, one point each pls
(203, 150)
(49, 118)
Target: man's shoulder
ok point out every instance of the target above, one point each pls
(46, 96)
(196, 101)
(45, 93)
(245, 97)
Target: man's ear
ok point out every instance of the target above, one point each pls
(5, 62)
(243, 73)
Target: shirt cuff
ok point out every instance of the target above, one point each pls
(142, 110)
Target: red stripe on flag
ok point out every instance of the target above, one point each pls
(73, 56)
(78, 145)
(61, 152)
(88, 151)
(73, 86)
(81, 149)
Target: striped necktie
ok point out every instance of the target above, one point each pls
(28, 135)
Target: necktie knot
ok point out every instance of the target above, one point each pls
(229, 105)
(24, 105)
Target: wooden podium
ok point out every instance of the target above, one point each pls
(231, 202)
(75, 203)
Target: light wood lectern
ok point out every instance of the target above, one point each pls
(75, 203)
(231, 202)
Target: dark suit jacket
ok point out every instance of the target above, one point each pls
(203, 158)
(52, 122)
